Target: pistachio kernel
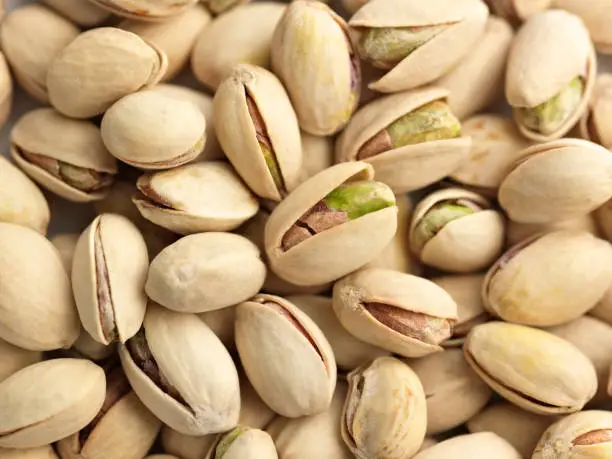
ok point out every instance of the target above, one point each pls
(103, 288)
(593, 437)
(226, 441)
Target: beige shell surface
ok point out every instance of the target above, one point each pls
(185, 446)
(465, 22)
(13, 359)
(198, 197)
(603, 310)
(242, 35)
(90, 348)
(85, 14)
(6, 90)
(531, 368)
(145, 10)
(221, 322)
(596, 18)
(318, 154)
(594, 124)
(238, 137)
(518, 232)
(48, 401)
(475, 446)
(65, 243)
(250, 444)
(44, 452)
(45, 318)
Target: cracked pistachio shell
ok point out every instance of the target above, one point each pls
(335, 252)
(243, 35)
(85, 168)
(243, 443)
(285, 355)
(541, 281)
(21, 201)
(32, 36)
(48, 401)
(204, 389)
(6, 90)
(483, 445)
(88, 347)
(596, 16)
(531, 368)
(318, 154)
(580, 435)
(204, 196)
(100, 67)
(454, 393)
(108, 276)
(65, 243)
(46, 318)
(594, 124)
(517, 11)
(85, 14)
(462, 22)
(349, 351)
(551, 50)
(44, 452)
(466, 243)
(314, 57)
(558, 180)
(404, 314)
(13, 359)
(518, 232)
(385, 412)
(206, 271)
(267, 157)
(146, 10)
(151, 130)
(409, 167)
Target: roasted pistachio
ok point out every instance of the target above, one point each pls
(519, 232)
(85, 14)
(516, 11)
(145, 10)
(473, 446)
(243, 443)
(13, 359)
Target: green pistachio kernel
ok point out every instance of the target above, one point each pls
(227, 440)
(360, 198)
(437, 217)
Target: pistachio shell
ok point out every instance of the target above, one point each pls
(603, 218)
(13, 359)
(518, 232)
(221, 322)
(472, 446)
(541, 281)
(596, 17)
(88, 347)
(516, 11)
(48, 401)
(78, 79)
(285, 355)
(531, 368)
(409, 167)
(243, 443)
(334, 252)
(404, 314)
(603, 310)
(6, 90)
(65, 245)
(44, 452)
(557, 180)
(427, 443)
(594, 123)
(206, 271)
(145, 10)
(464, 22)
(85, 14)
(250, 88)
(318, 154)
(185, 446)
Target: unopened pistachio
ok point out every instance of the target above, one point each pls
(516, 11)
(44, 452)
(145, 10)
(472, 446)
(13, 359)
(85, 14)
(243, 443)
(519, 232)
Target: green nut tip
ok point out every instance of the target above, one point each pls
(436, 218)
(227, 440)
(360, 198)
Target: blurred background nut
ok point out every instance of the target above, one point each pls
(603, 309)
(519, 232)
(594, 124)
(472, 446)
(596, 16)
(317, 154)
(185, 446)
(222, 6)
(44, 452)
(89, 348)
(516, 11)
(13, 359)
(6, 90)
(85, 14)
(244, 443)
(145, 10)
(65, 243)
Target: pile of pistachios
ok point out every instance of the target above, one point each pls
(379, 229)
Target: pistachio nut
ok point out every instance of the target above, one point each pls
(531, 368)
(312, 436)
(258, 130)
(48, 401)
(65, 244)
(221, 322)
(541, 281)
(122, 429)
(64, 155)
(457, 230)
(314, 56)
(551, 74)
(45, 318)
(242, 35)
(349, 351)
(13, 359)
(454, 393)
(311, 236)
(151, 130)
(558, 180)
(108, 276)
(285, 356)
(44, 452)
(603, 310)
(596, 17)
(585, 434)
(85, 14)
(185, 446)
(206, 271)
(405, 314)
(517, 11)
(518, 232)
(594, 123)
(471, 446)
(318, 154)
(146, 10)
(32, 36)
(253, 410)
(417, 42)
(89, 348)
(78, 79)
(6, 90)
(175, 37)
(171, 375)
(478, 80)
(466, 291)
(205, 196)
(21, 202)
(243, 443)
(412, 139)
(385, 414)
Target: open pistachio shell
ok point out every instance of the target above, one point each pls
(78, 79)
(44, 452)
(594, 124)
(313, 55)
(457, 230)
(483, 445)
(431, 154)
(541, 281)
(438, 34)
(205, 196)
(13, 359)
(108, 275)
(531, 368)
(557, 180)
(596, 16)
(145, 10)
(404, 314)
(385, 412)
(334, 252)
(258, 130)
(516, 11)
(85, 14)
(48, 401)
(243, 443)
(171, 375)
(285, 356)
(551, 74)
